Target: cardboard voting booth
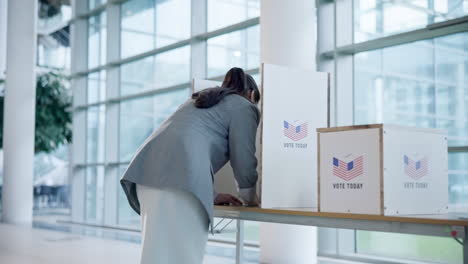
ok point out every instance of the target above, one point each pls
(383, 170)
(294, 103)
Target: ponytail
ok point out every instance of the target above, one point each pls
(210, 97)
(234, 83)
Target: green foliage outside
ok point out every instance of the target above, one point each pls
(53, 113)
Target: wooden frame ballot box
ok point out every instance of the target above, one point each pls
(382, 169)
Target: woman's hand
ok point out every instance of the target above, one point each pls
(227, 199)
(253, 203)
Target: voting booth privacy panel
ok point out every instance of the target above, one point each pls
(294, 104)
(383, 169)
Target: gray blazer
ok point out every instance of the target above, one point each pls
(192, 145)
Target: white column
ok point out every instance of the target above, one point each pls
(288, 37)
(19, 112)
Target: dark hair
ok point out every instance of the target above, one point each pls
(235, 82)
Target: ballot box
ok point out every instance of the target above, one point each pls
(295, 103)
(382, 169)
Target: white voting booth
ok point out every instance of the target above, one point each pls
(383, 169)
(295, 103)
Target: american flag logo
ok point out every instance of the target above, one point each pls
(415, 169)
(348, 170)
(295, 133)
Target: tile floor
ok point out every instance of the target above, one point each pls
(26, 245)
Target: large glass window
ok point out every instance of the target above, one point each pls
(227, 12)
(140, 117)
(95, 3)
(94, 194)
(155, 72)
(418, 84)
(126, 215)
(235, 49)
(95, 136)
(458, 178)
(429, 89)
(379, 18)
(96, 87)
(149, 24)
(146, 86)
(51, 53)
(97, 40)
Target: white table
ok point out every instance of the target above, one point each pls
(430, 225)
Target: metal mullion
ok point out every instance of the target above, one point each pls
(86, 165)
(447, 23)
(155, 51)
(149, 93)
(97, 164)
(458, 149)
(78, 37)
(95, 11)
(429, 32)
(134, 96)
(333, 92)
(89, 71)
(133, 58)
(198, 49)
(111, 140)
(235, 27)
(353, 39)
(152, 92)
(98, 9)
(197, 38)
(344, 94)
(239, 241)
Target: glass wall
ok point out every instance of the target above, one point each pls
(95, 134)
(401, 62)
(52, 54)
(94, 194)
(228, 12)
(429, 90)
(140, 117)
(239, 48)
(138, 74)
(378, 18)
(149, 24)
(95, 3)
(156, 72)
(97, 39)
